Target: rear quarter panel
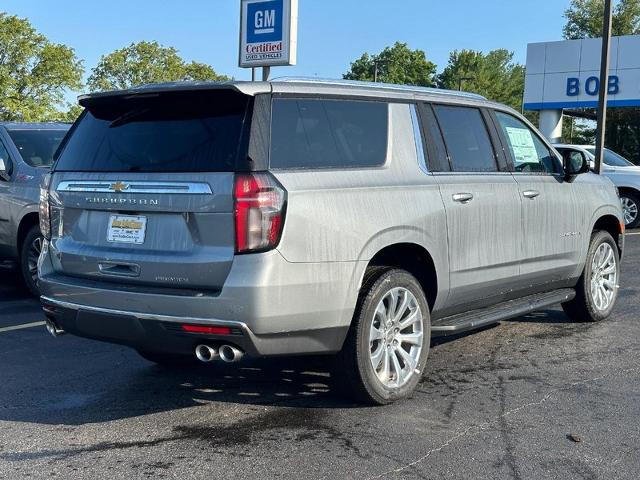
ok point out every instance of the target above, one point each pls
(348, 215)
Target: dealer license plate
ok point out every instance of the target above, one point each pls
(127, 229)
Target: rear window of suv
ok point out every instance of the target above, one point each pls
(169, 132)
(324, 133)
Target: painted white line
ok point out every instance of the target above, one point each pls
(20, 327)
(632, 233)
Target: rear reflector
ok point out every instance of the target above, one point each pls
(207, 330)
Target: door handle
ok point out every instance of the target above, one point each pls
(530, 193)
(462, 197)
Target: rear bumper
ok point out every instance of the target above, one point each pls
(275, 308)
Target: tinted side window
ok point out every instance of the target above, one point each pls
(467, 139)
(4, 155)
(529, 153)
(311, 133)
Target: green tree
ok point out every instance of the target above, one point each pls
(34, 72)
(584, 20)
(397, 64)
(493, 75)
(146, 62)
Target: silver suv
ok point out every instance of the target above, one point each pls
(213, 221)
(26, 153)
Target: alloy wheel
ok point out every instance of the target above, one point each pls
(395, 340)
(629, 209)
(604, 276)
(32, 258)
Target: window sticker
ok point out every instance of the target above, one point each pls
(524, 150)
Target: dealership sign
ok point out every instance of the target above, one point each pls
(268, 32)
(567, 74)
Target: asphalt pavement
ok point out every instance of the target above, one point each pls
(532, 398)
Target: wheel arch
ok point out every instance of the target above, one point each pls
(415, 259)
(28, 220)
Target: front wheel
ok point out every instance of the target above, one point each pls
(387, 346)
(631, 209)
(597, 288)
(29, 254)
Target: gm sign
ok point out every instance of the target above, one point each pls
(268, 32)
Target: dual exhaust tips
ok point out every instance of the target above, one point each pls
(226, 353)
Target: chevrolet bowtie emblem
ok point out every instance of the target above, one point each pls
(119, 187)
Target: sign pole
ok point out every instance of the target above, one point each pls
(253, 74)
(604, 87)
(265, 73)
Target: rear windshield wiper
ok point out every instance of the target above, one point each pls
(128, 116)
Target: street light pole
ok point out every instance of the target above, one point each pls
(462, 79)
(604, 87)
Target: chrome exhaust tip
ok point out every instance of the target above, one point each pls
(206, 354)
(53, 329)
(229, 353)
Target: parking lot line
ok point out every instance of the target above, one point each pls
(633, 233)
(20, 327)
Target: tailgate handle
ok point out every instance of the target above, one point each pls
(121, 269)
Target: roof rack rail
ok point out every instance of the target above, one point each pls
(380, 86)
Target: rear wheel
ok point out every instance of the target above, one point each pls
(168, 359)
(387, 346)
(597, 288)
(29, 254)
(630, 208)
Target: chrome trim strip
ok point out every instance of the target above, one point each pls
(184, 188)
(144, 316)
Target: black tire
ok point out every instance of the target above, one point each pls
(168, 359)
(633, 199)
(29, 252)
(353, 372)
(583, 308)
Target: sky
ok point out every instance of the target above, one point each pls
(332, 33)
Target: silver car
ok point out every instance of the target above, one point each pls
(222, 220)
(624, 175)
(26, 153)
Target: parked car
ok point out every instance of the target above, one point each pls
(217, 220)
(624, 174)
(26, 153)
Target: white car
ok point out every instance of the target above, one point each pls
(624, 174)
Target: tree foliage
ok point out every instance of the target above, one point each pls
(397, 64)
(34, 72)
(585, 17)
(493, 75)
(146, 62)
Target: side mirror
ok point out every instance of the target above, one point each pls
(574, 164)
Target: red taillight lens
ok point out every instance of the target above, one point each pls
(207, 330)
(259, 212)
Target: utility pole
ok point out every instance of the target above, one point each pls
(604, 87)
(462, 79)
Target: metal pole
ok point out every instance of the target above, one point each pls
(604, 87)
(253, 74)
(375, 71)
(265, 73)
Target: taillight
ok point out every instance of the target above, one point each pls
(44, 209)
(259, 212)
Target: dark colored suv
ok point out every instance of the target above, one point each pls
(26, 154)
